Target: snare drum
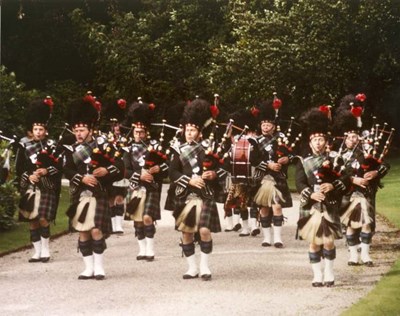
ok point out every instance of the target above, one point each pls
(241, 168)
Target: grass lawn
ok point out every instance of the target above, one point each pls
(19, 237)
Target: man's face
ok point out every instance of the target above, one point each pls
(351, 140)
(191, 133)
(39, 132)
(81, 134)
(139, 134)
(317, 144)
(267, 128)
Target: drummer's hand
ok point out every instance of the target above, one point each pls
(283, 160)
(326, 187)
(317, 196)
(100, 172)
(197, 183)
(89, 180)
(209, 175)
(274, 166)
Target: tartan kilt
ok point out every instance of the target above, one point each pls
(209, 216)
(48, 205)
(329, 221)
(102, 218)
(282, 186)
(152, 204)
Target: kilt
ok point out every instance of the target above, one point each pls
(152, 204)
(209, 216)
(102, 218)
(317, 225)
(356, 211)
(48, 204)
(282, 186)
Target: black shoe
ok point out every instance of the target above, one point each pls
(237, 227)
(149, 258)
(141, 258)
(189, 277)
(266, 244)
(119, 232)
(351, 263)
(278, 245)
(99, 277)
(330, 283)
(255, 232)
(45, 259)
(228, 230)
(85, 277)
(32, 260)
(317, 284)
(368, 264)
(244, 234)
(206, 277)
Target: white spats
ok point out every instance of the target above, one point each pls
(88, 273)
(192, 271)
(45, 251)
(267, 236)
(205, 272)
(99, 273)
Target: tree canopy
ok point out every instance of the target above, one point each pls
(310, 52)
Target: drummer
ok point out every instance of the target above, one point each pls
(242, 188)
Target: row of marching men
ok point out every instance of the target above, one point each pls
(329, 184)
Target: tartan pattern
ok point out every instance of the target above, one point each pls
(189, 154)
(209, 217)
(102, 218)
(311, 164)
(152, 204)
(83, 152)
(33, 147)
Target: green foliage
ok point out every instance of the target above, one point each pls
(8, 205)
(160, 53)
(8, 193)
(13, 102)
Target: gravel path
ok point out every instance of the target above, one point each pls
(247, 278)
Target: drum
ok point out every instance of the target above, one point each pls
(241, 167)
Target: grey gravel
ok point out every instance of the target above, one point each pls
(246, 278)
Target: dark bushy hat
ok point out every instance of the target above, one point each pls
(247, 117)
(269, 110)
(83, 112)
(314, 123)
(197, 113)
(140, 114)
(115, 111)
(345, 122)
(39, 112)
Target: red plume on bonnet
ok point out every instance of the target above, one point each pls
(326, 109)
(121, 103)
(49, 102)
(254, 111)
(357, 112)
(277, 103)
(214, 108)
(361, 97)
